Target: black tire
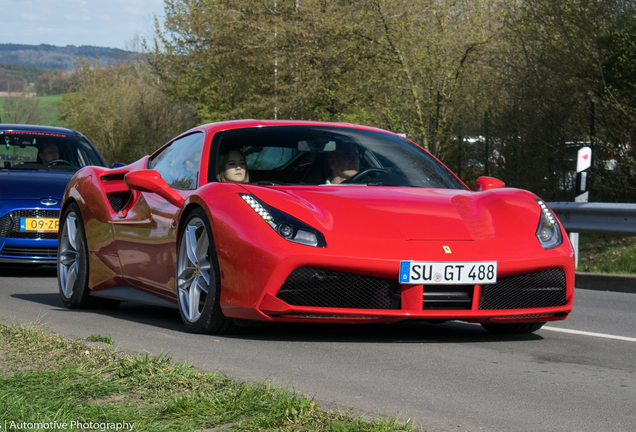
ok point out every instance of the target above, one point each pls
(198, 299)
(516, 328)
(72, 264)
(72, 260)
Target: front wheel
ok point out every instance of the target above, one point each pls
(516, 328)
(72, 260)
(198, 280)
(72, 264)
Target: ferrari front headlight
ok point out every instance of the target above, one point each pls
(288, 227)
(548, 231)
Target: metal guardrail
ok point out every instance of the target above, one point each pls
(594, 217)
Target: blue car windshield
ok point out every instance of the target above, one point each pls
(37, 151)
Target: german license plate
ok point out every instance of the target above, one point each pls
(455, 273)
(39, 224)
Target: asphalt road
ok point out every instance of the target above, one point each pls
(573, 375)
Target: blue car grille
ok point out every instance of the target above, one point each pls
(10, 224)
(34, 252)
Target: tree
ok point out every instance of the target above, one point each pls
(398, 65)
(534, 69)
(122, 111)
(426, 49)
(22, 110)
(218, 55)
(53, 82)
(562, 72)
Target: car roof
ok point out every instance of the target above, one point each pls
(8, 127)
(249, 123)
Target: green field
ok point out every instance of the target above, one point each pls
(48, 105)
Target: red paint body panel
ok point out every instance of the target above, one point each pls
(368, 231)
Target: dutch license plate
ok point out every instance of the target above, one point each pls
(456, 273)
(39, 224)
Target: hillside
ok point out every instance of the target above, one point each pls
(52, 57)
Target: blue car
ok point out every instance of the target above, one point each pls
(36, 164)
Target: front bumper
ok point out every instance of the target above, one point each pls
(366, 289)
(28, 251)
(318, 294)
(30, 247)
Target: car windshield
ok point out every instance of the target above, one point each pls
(45, 151)
(322, 155)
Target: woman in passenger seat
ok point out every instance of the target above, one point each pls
(232, 167)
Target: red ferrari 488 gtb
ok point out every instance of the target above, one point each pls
(294, 221)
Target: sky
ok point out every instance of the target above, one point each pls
(102, 23)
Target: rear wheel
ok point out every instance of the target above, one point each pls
(198, 280)
(516, 328)
(72, 264)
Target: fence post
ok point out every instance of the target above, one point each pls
(583, 162)
(574, 239)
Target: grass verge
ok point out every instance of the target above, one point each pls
(51, 381)
(607, 254)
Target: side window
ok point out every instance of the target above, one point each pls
(178, 164)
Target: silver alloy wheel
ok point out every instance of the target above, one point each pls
(193, 270)
(69, 255)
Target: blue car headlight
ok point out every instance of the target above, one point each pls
(548, 231)
(288, 227)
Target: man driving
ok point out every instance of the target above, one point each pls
(344, 162)
(49, 153)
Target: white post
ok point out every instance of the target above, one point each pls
(574, 239)
(583, 162)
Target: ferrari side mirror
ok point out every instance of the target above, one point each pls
(485, 183)
(151, 181)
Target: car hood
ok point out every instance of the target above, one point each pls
(32, 184)
(410, 213)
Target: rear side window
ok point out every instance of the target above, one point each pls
(179, 163)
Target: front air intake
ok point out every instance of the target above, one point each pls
(532, 290)
(315, 287)
(118, 201)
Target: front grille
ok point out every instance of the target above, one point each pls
(5, 225)
(30, 252)
(34, 235)
(533, 290)
(36, 213)
(314, 287)
(10, 224)
(453, 297)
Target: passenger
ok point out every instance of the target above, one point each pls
(344, 162)
(49, 153)
(232, 167)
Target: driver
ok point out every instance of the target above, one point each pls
(344, 162)
(49, 153)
